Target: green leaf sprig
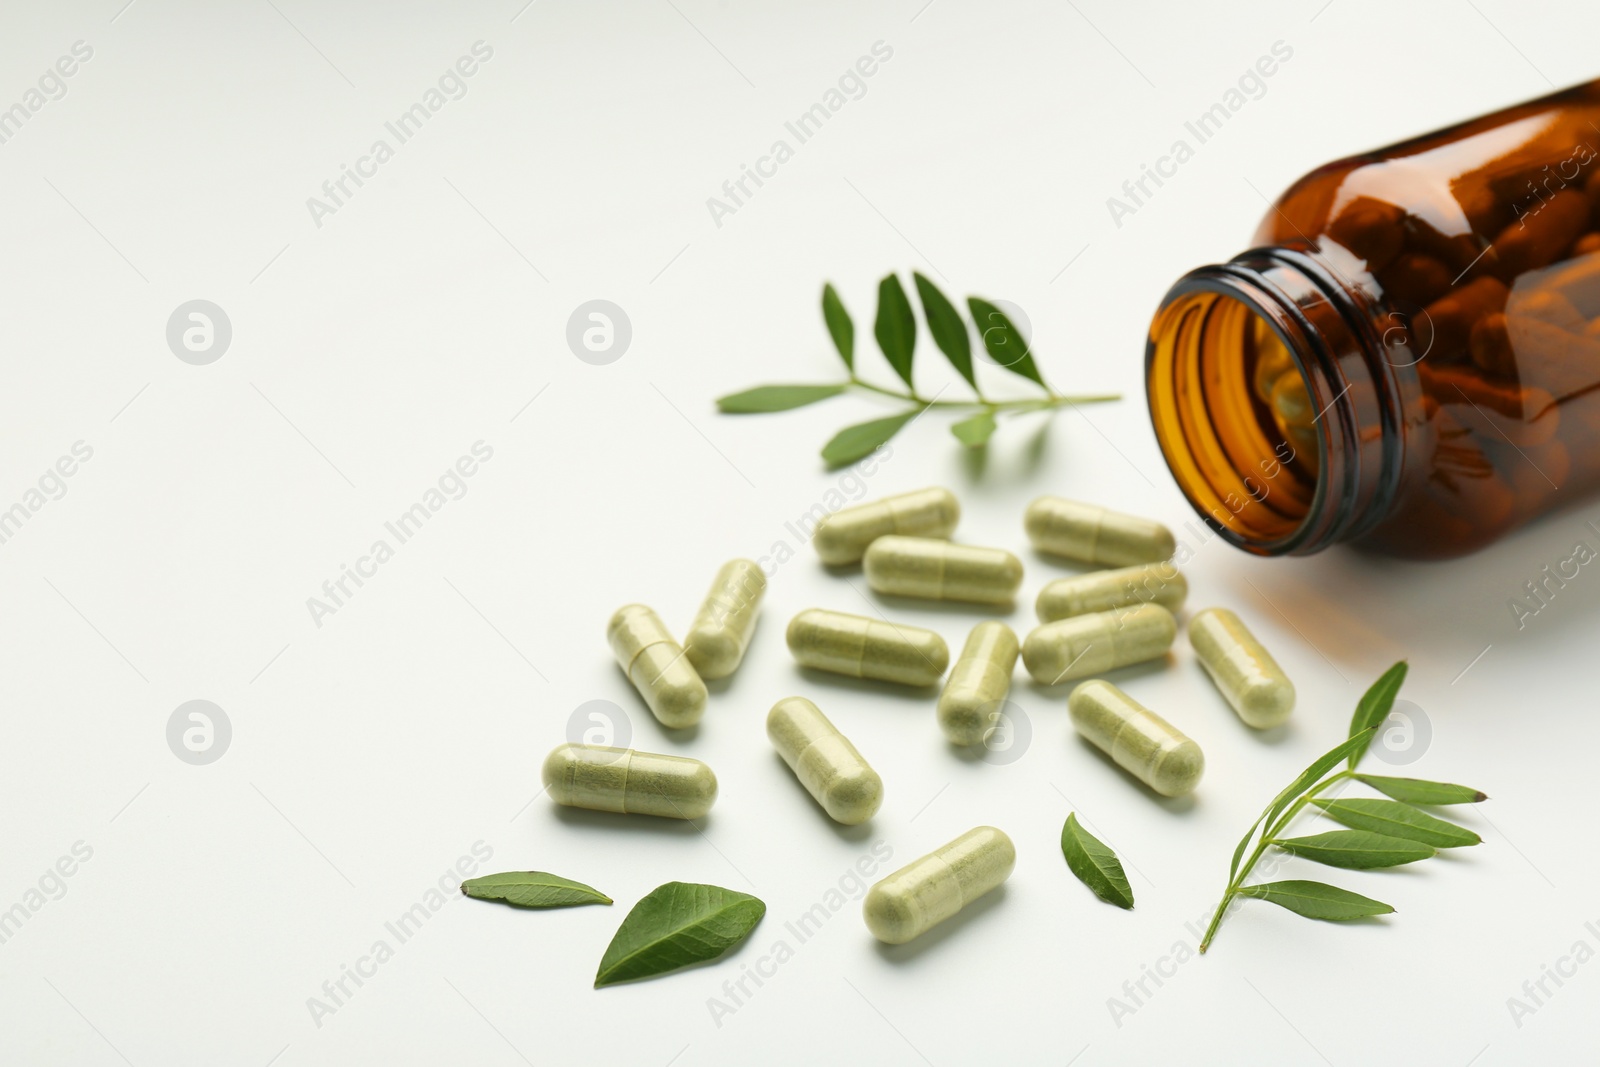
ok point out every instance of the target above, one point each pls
(895, 329)
(1382, 833)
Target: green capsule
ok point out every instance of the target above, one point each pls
(1091, 534)
(867, 648)
(979, 683)
(925, 893)
(1247, 675)
(1085, 594)
(634, 783)
(1140, 741)
(721, 631)
(656, 666)
(843, 537)
(938, 570)
(1082, 645)
(825, 761)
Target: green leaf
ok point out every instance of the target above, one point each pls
(1291, 792)
(676, 925)
(776, 398)
(1004, 342)
(1375, 704)
(533, 889)
(1418, 791)
(1356, 850)
(896, 328)
(853, 442)
(1095, 865)
(840, 328)
(948, 328)
(1317, 900)
(974, 431)
(1397, 820)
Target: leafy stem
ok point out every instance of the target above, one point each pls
(895, 329)
(1381, 832)
(1054, 400)
(1268, 838)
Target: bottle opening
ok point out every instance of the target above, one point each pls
(1234, 414)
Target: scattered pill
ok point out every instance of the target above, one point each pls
(1082, 645)
(656, 666)
(721, 631)
(939, 570)
(1091, 534)
(1140, 741)
(867, 648)
(843, 537)
(825, 761)
(979, 683)
(1085, 594)
(634, 783)
(1247, 675)
(925, 893)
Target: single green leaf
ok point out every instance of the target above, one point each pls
(1317, 900)
(1375, 704)
(676, 925)
(533, 889)
(1418, 791)
(840, 328)
(1291, 792)
(974, 431)
(1357, 850)
(765, 398)
(1095, 864)
(853, 442)
(1397, 820)
(896, 328)
(948, 328)
(1004, 342)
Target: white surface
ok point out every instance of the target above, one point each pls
(371, 753)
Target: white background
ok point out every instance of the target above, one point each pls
(371, 752)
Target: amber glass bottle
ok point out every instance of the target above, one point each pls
(1410, 357)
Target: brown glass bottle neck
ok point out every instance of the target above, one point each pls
(1353, 361)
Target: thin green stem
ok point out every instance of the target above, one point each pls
(1054, 400)
(1268, 834)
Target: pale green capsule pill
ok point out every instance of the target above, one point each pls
(1091, 534)
(825, 761)
(1249, 678)
(721, 631)
(1082, 645)
(1085, 594)
(925, 893)
(979, 683)
(1141, 742)
(634, 783)
(938, 570)
(867, 648)
(656, 666)
(843, 537)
